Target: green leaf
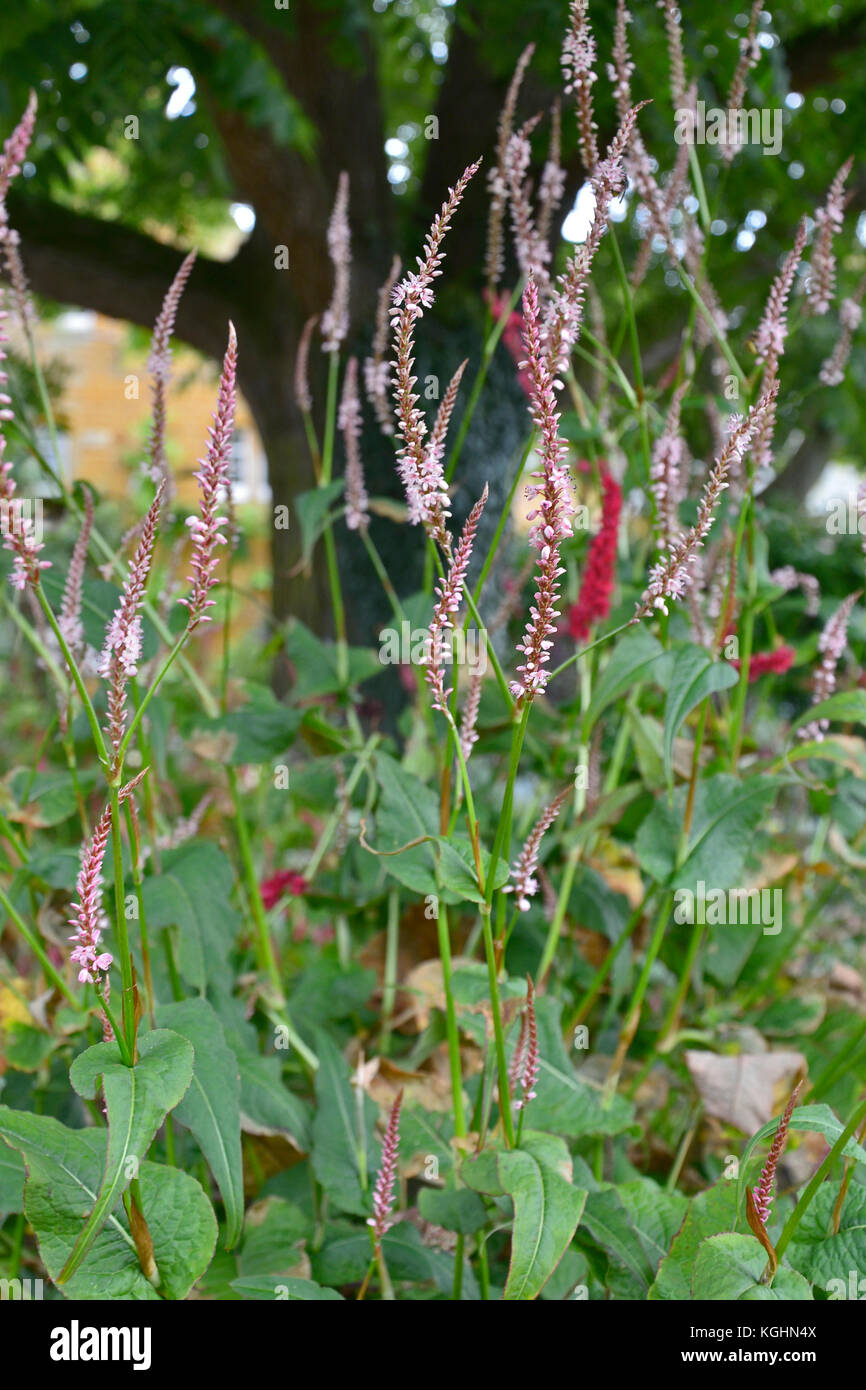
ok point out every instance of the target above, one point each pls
(822, 1255)
(547, 1208)
(345, 1256)
(848, 706)
(632, 661)
(728, 1268)
(634, 1223)
(454, 1209)
(695, 676)
(51, 796)
(282, 1288)
(137, 1100)
(193, 894)
(726, 813)
(258, 732)
(710, 1213)
(64, 1170)
(811, 1119)
(211, 1108)
(565, 1104)
(407, 809)
(273, 1232)
(343, 1129)
(315, 663)
(11, 1180)
(267, 1105)
(312, 508)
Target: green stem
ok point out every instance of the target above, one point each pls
(451, 1028)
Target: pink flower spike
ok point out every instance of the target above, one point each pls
(553, 515)
(335, 320)
(302, 363)
(831, 645)
(15, 148)
(525, 884)
(672, 578)
(121, 654)
(89, 917)
(421, 475)
(213, 478)
(578, 69)
(494, 263)
(449, 592)
(530, 1065)
(383, 1192)
(349, 421)
(763, 1193)
(377, 370)
(159, 366)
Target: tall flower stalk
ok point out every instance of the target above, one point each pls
(420, 470)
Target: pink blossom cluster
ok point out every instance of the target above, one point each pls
(383, 1192)
(335, 320)
(554, 514)
(119, 658)
(763, 1192)
(671, 578)
(831, 645)
(525, 884)
(213, 478)
(420, 472)
(377, 369)
(578, 69)
(349, 422)
(89, 917)
(525, 1064)
(159, 366)
(449, 592)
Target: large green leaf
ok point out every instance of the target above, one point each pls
(281, 1288)
(345, 1256)
(11, 1180)
(695, 676)
(710, 1213)
(565, 1104)
(634, 1224)
(728, 1268)
(547, 1208)
(455, 1209)
(726, 812)
(315, 663)
(824, 1255)
(633, 659)
(256, 733)
(193, 894)
(137, 1100)
(64, 1171)
(343, 1130)
(211, 1106)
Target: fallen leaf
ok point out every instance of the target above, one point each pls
(744, 1091)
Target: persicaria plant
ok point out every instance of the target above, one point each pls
(375, 989)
